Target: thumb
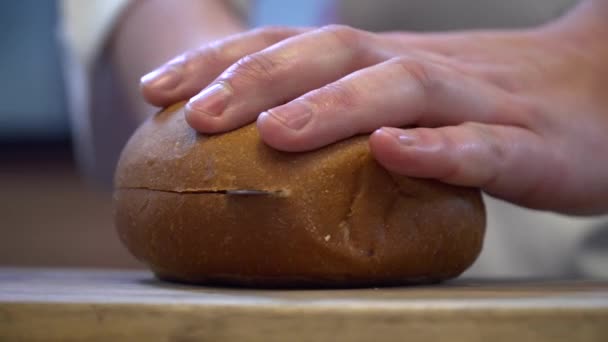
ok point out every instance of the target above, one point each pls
(509, 162)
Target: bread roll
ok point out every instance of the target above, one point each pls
(334, 217)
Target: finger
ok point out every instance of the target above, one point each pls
(275, 75)
(509, 162)
(399, 92)
(187, 74)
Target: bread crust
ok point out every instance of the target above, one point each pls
(340, 219)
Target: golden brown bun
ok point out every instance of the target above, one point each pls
(341, 220)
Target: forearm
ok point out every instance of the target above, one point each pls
(153, 31)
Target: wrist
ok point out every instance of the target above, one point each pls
(584, 27)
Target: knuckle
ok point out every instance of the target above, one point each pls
(256, 67)
(339, 94)
(494, 148)
(204, 56)
(272, 33)
(528, 113)
(494, 153)
(215, 51)
(504, 80)
(344, 35)
(420, 72)
(489, 158)
(198, 59)
(181, 60)
(270, 30)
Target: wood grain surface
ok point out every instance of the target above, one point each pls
(87, 305)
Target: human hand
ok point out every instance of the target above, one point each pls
(521, 114)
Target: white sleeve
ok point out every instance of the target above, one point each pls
(96, 110)
(83, 29)
(86, 25)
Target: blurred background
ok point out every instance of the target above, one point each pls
(48, 215)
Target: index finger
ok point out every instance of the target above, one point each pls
(184, 76)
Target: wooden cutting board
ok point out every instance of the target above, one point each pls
(87, 305)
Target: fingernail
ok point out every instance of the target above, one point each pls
(211, 101)
(162, 79)
(294, 115)
(406, 138)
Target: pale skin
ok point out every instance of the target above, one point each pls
(152, 31)
(522, 114)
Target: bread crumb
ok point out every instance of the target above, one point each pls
(327, 237)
